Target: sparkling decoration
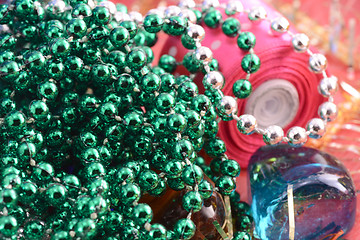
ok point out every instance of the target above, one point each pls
(300, 185)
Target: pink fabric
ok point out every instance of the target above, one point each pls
(278, 60)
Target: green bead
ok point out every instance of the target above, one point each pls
(187, 91)
(7, 41)
(85, 229)
(76, 27)
(136, 59)
(124, 174)
(200, 103)
(133, 120)
(8, 198)
(188, 42)
(173, 168)
(60, 235)
(72, 184)
(34, 60)
(250, 63)
(192, 201)
(81, 9)
(34, 229)
(184, 229)
(241, 236)
(55, 69)
(131, 27)
(88, 103)
(242, 88)
(119, 36)
(90, 155)
(231, 27)
(101, 15)
(129, 193)
(246, 41)
(98, 186)
(55, 137)
(183, 149)
(241, 208)
(26, 151)
(113, 221)
(192, 175)
(142, 214)
(124, 84)
(9, 70)
(192, 117)
(225, 184)
(23, 7)
(15, 121)
(158, 232)
(18, 213)
(191, 63)
(43, 172)
(165, 102)
(176, 123)
(48, 90)
(81, 206)
(148, 180)
(175, 25)
(230, 168)
(5, 14)
(107, 111)
(8, 226)
(60, 48)
(176, 184)
(98, 205)
(142, 145)
(27, 192)
(215, 147)
(205, 189)
(153, 23)
(213, 18)
(150, 83)
(168, 63)
(160, 188)
(38, 109)
(94, 170)
(56, 194)
(73, 66)
(167, 82)
(88, 139)
(6, 55)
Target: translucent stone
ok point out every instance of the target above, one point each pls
(323, 193)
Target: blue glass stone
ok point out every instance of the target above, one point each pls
(323, 193)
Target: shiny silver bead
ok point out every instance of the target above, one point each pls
(316, 127)
(196, 32)
(280, 25)
(206, 4)
(300, 42)
(228, 106)
(136, 17)
(189, 14)
(187, 4)
(328, 86)
(204, 54)
(110, 5)
(257, 13)
(327, 111)
(56, 6)
(233, 7)
(213, 80)
(273, 135)
(317, 62)
(156, 12)
(297, 136)
(121, 16)
(172, 11)
(247, 124)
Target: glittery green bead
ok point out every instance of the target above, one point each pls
(241, 236)
(8, 198)
(182, 149)
(246, 41)
(6, 55)
(231, 26)
(48, 90)
(85, 229)
(9, 70)
(72, 184)
(55, 137)
(176, 184)
(60, 235)
(241, 208)
(8, 226)
(98, 35)
(230, 168)
(43, 172)
(131, 27)
(176, 123)
(7, 41)
(129, 193)
(34, 60)
(81, 9)
(165, 102)
(192, 175)
(168, 63)
(119, 36)
(5, 14)
(187, 91)
(149, 55)
(73, 66)
(184, 229)
(124, 174)
(160, 188)
(190, 63)
(153, 23)
(26, 151)
(23, 7)
(157, 232)
(60, 48)
(98, 205)
(27, 192)
(136, 59)
(150, 83)
(88, 103)
(38, 109)
(98, 186)
(34, 229)
(173, 169)
(56, 194)
(213, 18)
(250, 63)
(205, 189)
(148, 180)
(167, 82)
(55, 68)
(101, 15)
(242, 88)
(215, 147)
(107, 111)
(134, 120)
(142, 214)
(201, 103)
(15, 121)
(76, 27)
(175, 25)
(192, 201)
(226, 185)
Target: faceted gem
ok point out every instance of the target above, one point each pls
(323, 193)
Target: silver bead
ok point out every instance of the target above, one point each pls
(206, 4)
(300, 42)
(172, 11)
(121, 16)
(189, 14)
(273, 135)
(196, 32)
(297, 136)
(280, 25)
(156, 12)
(327, 111)
(257, 13)
(316, 127)
(228, 106)
(136, 17)
(233, 7)
(328, 86)
(213, 80)
(247, 124)
(204, 54)
(317, 62)
(56, 6)
(187, 4)
(110, 5)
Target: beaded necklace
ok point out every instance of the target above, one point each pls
(106, 127)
